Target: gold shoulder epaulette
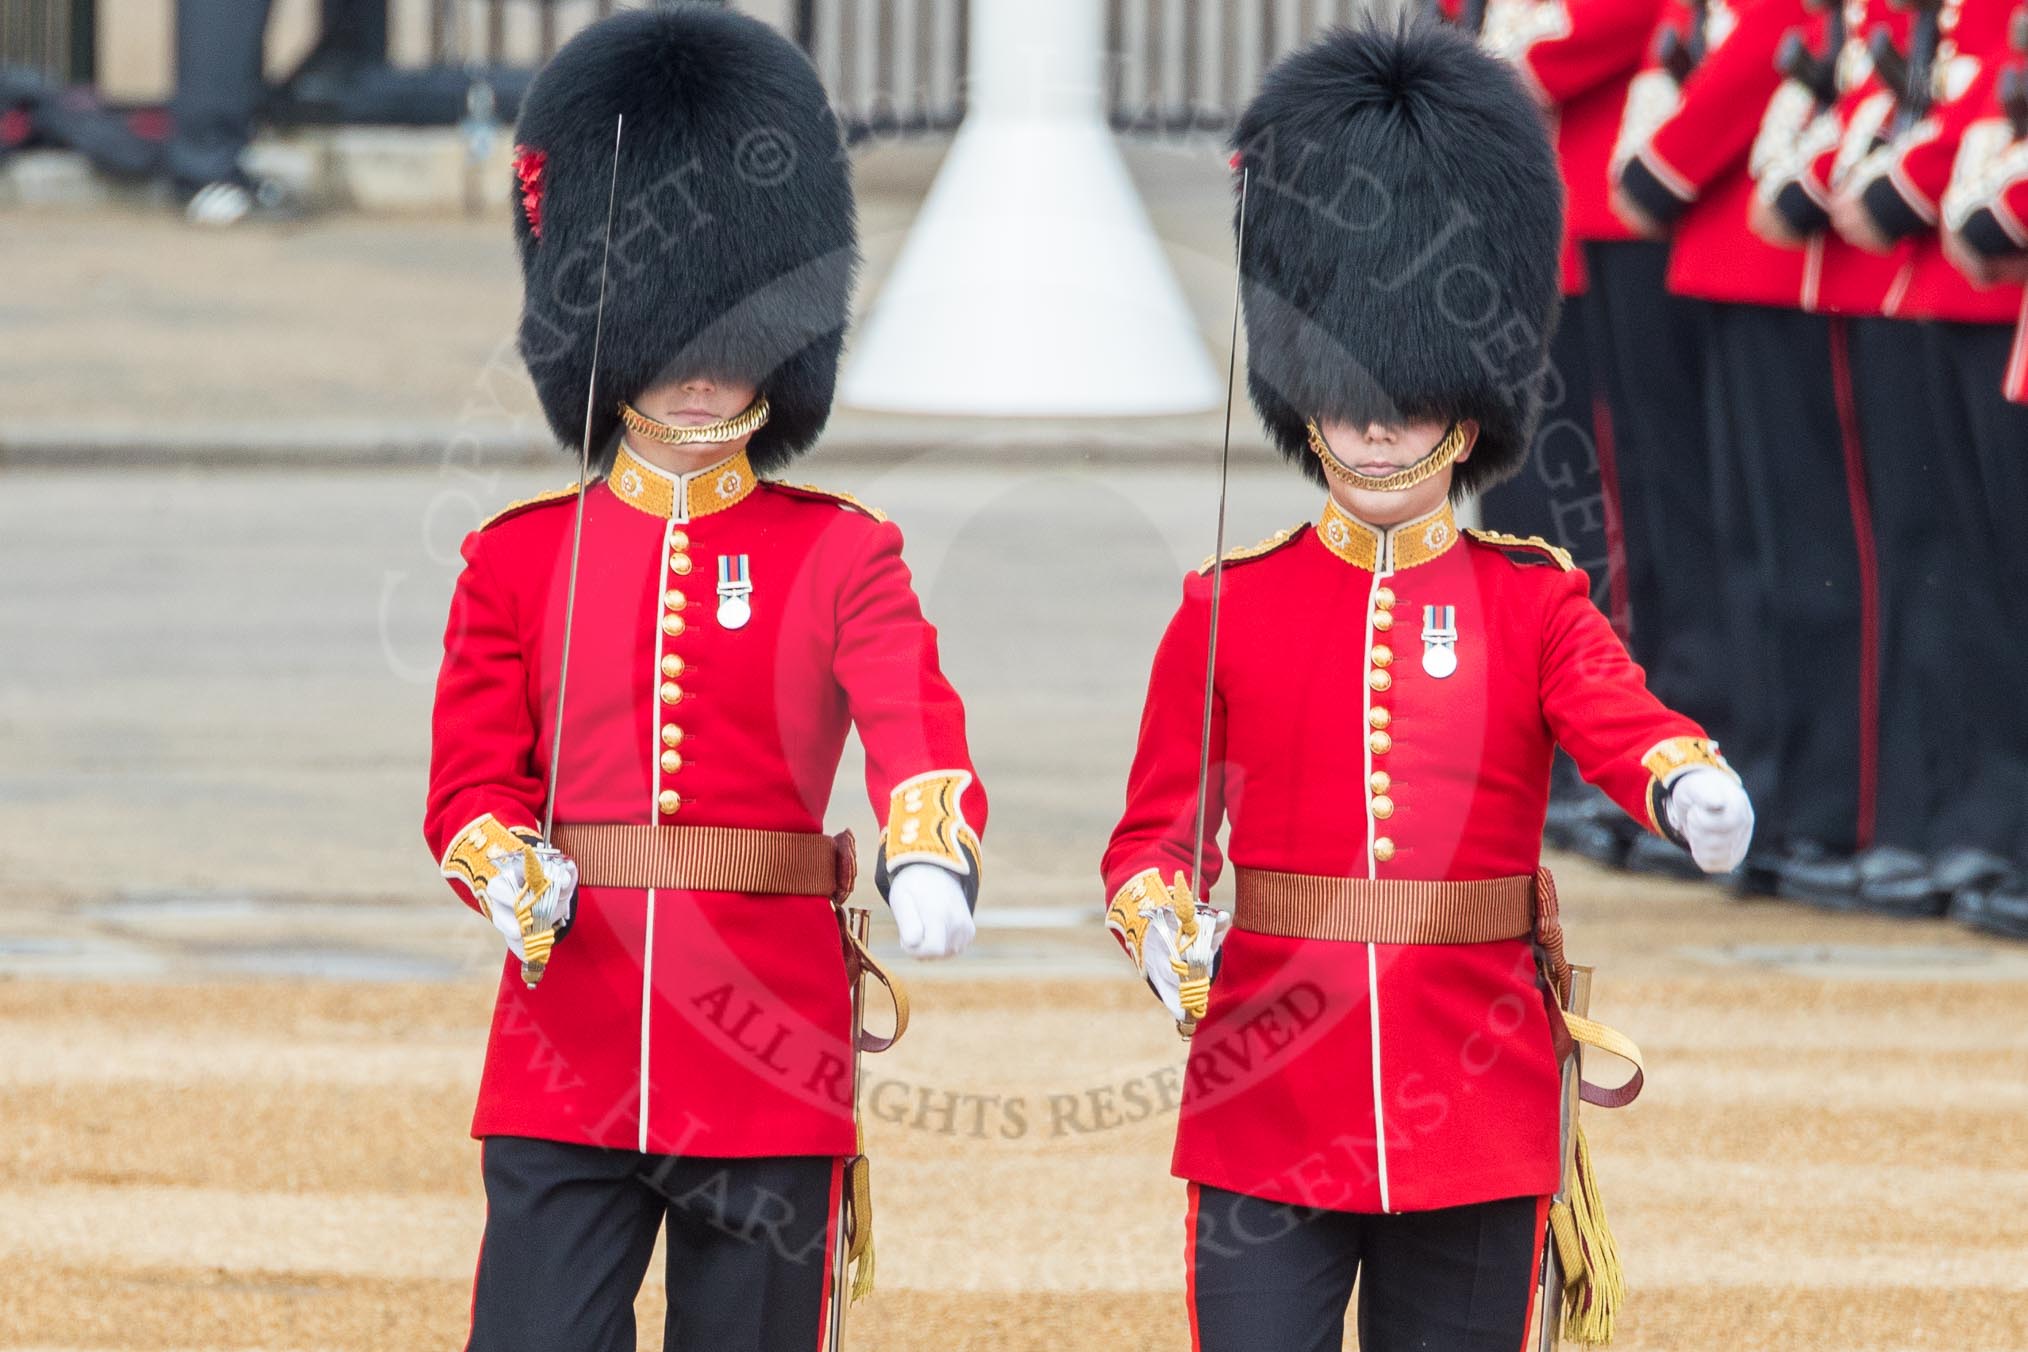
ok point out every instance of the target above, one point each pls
(515, 508)
(832, 495)
(1533, 543)
(1253, 551)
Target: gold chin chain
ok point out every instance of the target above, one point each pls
(1441, 457)
(725, 429)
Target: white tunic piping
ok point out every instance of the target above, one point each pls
(1383, 568)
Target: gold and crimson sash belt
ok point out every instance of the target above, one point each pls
(1384, 910)
(711, 859)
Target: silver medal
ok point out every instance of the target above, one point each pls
(1439, 640)
(735, 586)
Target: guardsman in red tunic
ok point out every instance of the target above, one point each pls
(672, 1042)
(1372, 1089)
(1582, 59)
(1941, 445)
(1984, 218)
(1576, 57)
(1801, 733)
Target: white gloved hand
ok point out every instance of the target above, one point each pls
(1712, 813)
(1153, 936)
(553, 908)
(929, 909)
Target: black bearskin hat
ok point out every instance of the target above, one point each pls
(1404, 221)
(733, 241)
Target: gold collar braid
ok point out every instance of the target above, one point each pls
(725, 429)
(1440, 458)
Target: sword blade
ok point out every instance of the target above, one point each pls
(1199, 970)
(583, 482)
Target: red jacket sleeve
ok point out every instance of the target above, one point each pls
(919, 772)
(1904, 182)
(1160, 821)
(482, 732)
(1719, 114)
(1600, 39)
(1596, 700)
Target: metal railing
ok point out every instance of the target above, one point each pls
(1191, 65)
(893, 67)
(58, 38)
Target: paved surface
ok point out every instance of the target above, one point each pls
(367, 339)
(213, 700)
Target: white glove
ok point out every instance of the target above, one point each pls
(1711, 812)
(553, 908)
(929, 908)
(1150, 926)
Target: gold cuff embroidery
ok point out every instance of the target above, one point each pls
(1128, 913)
(474, 853)
(1667, 759)
(926, 823)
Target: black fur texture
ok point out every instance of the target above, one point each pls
(1404, 221)
(733, 245)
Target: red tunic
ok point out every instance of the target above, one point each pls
(1378, 1077)
(1689, 164)
(1906, 183)
(1577, 56)
(700, 1023)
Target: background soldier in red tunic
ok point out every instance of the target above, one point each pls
(1583, 60)
(686, 1057)
(1783, 444)
(1372, 1089)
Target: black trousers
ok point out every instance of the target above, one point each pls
(219, 85)
(1268, 1277)
(570, 1230)
(1647, 361)
(1981, 558)
(1559, 494)
(1791, 559)
(1919, 487)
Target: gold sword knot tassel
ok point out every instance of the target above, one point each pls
(1194, 994)
(535, 943)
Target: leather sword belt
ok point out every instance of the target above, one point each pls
(712, 859)
(1384, 910)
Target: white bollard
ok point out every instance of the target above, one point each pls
(1032, 284)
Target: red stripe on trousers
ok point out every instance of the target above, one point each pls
(831, 1237)
(1617, 590)
(1190, 1265)
(1529, 1338)
(2015, 385)
(1869, 580)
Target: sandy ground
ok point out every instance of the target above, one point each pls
(1832, 1154)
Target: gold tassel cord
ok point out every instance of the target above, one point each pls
(1594, 1286)
(535, 943)
(859, 1247)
